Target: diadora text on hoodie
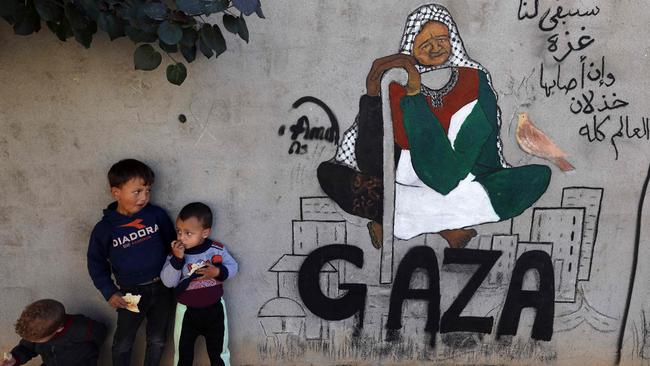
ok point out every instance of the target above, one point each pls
(132, 248)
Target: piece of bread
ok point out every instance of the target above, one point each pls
(132, 302)
(195, 266)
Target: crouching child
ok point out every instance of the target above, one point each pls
(59, 338)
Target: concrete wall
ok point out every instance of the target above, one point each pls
(67, 114)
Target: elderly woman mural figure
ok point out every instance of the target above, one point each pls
(450, 171)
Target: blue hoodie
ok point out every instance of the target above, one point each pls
(132, 248)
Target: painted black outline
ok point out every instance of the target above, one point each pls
(330, 114)
(600, 206)
(582, 233)
(293, 235)
(302, 217)
(635, 260)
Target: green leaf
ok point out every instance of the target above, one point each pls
(27, 25)
(146, 57)
(65, 30)
(138, 9)
(243, 29)
(182, 19)
(170, 33)
(191, 7)
(111, 25)
(49, 10)
(90, 8)
(188, 52)
(128, 13)
(53, 26)
(26, 19)
(83, 36)
(190, 35)
(156, 11)
(259, 12)
(247, 7)
(169, 48)
(76, 18)
(202, 7)
(220, 46)
(139, 36)
(8, 8)
(231, 23)
(215, 6)
(176, 73)
(148, 27)
(212, 37)
(205, 50)
(62, 29)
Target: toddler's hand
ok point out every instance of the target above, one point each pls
(117, 301)
(8, 360)
(178, 249)
(209, 271)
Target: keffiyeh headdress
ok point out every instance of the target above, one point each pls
(458, 56)
(437, 13)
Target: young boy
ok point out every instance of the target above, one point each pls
(59, 338)
(131, 242)
(197, 268)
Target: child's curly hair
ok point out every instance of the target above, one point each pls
(40, 319)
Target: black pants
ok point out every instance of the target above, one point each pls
(156, 305)
(356, 193)
(90, 362)
(208, 322)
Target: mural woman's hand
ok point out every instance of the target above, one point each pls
(381, 65)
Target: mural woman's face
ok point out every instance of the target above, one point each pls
(431, 46)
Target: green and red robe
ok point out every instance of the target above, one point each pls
(449, 174)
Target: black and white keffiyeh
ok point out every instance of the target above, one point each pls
(345, 152)
(438, 13)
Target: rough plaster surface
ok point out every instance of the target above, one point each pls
(66, 114)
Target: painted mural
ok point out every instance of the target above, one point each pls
(467, 266)
(415, 182)
(450, 171)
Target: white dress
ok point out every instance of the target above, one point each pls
(420, 209)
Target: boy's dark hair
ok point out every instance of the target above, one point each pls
(127, 169)
(40, 319)
(199, 210)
